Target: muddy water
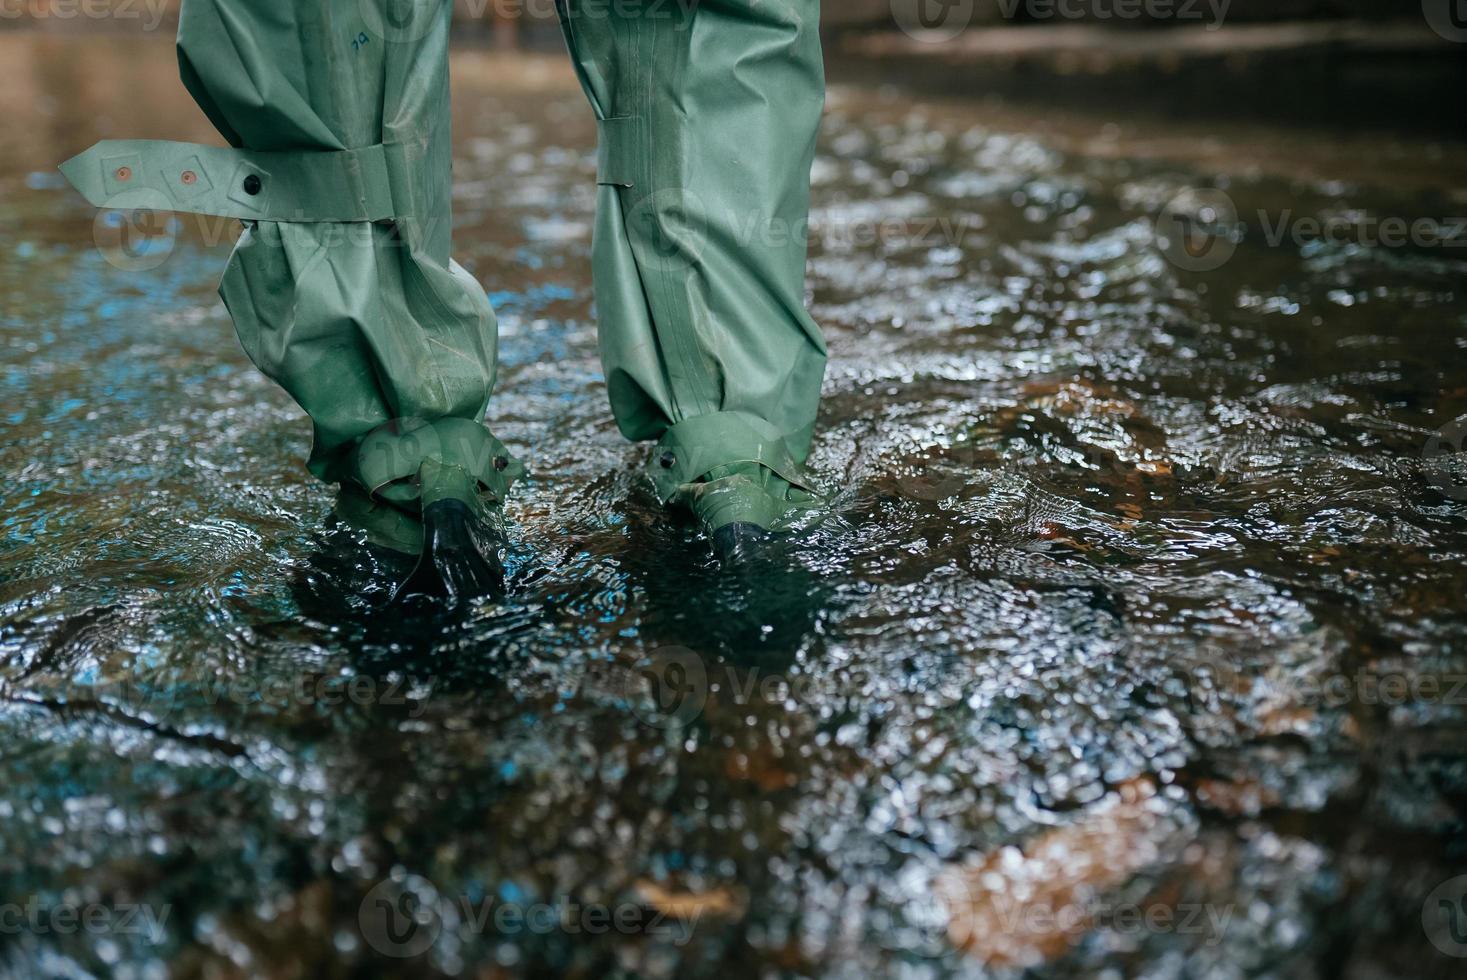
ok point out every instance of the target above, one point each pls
(1135, 647)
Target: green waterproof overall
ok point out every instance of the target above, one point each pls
(343, 289)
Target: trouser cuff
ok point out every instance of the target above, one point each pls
(693, 448)
(408, 461)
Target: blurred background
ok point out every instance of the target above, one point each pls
(1362, 61)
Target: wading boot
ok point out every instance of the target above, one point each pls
(707, 116)
(342, 286)
(463, 537)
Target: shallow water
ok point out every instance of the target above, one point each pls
(1135, 649)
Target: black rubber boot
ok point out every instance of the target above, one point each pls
(462, 554)
(744, 507)
(463, 538)
(739, 542)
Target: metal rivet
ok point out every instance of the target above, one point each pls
(501, 464)
(252, 185)
(124, 173)
(668, 461)
(189, 177)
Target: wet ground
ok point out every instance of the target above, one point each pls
(1138, 646)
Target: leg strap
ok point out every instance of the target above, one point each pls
(694, 447)
(389, 459)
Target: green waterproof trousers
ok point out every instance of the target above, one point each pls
(343, 290)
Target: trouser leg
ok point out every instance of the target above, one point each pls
(708, 115)
(376, 332)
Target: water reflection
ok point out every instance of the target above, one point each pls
(1130, 613)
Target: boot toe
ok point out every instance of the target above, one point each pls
(740, 541)
(461, 554)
